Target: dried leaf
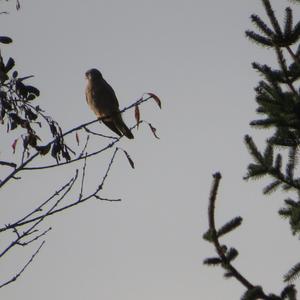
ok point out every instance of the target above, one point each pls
(56, 149)
(43, 149)
(30, 114)
(156, 99)
(15, 74)
(38, 109)
(9, 65)
(26, 77)
(25, 142)
(14, 144)
(25, 124)
(2, 114)
(129, 159)
(77, 138)
(65, 154)
(137, 115)
(32, 139)
(153, 129)
(33, 90)
(2, 96)
(53, 129)
(21, 88)
(13, 125)
(31, 97)
(5, 40)
(6, 104)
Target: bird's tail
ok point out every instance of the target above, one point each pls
(124, 129)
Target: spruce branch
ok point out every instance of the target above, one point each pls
(253, 149)
(272, 187)
(225, 256)
(289, 292)
(262, 26)
(259, 39)
(215, 240)
(212, 261)
(293, 273)
(272, 17)
(294, 56)
(229, 226)
(282, 63)
(288, 24)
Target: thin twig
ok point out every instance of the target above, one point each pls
(295, 58)
(53, 211)
(35, 238)
(36, 221)
(99, 134)
(85, 146)
(25, 163)
(23, 269)
(110, 145)
(39, 208)
(107, 171)
(284, 69)
(10, 164)
(107, 199)
(82, 180)
(22, 166)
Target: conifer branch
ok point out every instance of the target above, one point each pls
(288, 21)
(262, 26)
(284, 69)
(225, 257)
(278, 98)
(229, 226)
(295, 58)
(272, 17)
(293, 273)
(212, 228)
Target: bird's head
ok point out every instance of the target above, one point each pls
(93, 74)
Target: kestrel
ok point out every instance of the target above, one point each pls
(102, 100)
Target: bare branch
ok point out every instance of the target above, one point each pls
(39, 208)
(55, 210)
(24, 268)
(62, 135)
(82, 180)
(10, 164)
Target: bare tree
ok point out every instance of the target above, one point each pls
(20, 115)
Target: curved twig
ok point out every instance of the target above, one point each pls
(212, 229)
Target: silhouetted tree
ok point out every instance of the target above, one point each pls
(21, 115)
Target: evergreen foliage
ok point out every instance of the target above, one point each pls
(278, 107)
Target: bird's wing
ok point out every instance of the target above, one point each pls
(109, 94)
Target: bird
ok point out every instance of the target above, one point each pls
(103, 101)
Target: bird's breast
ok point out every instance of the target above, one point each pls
(97, 101)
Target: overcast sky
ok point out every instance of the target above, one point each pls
(195, 57)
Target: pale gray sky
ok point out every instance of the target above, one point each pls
(195, 57)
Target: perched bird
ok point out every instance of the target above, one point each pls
(102, 100)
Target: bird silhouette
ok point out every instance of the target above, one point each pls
(103, 101)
